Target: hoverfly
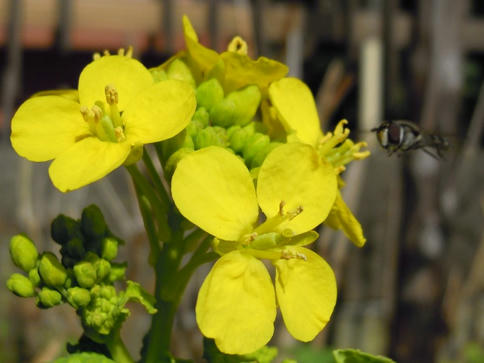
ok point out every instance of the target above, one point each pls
(400, 136)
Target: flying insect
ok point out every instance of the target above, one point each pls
(400, 136)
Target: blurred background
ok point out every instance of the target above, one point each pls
(415, 292)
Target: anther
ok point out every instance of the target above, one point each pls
(118, 132)
(121, 51)
(289, 255)
(129, 51)
(106, 53)
(85, 113)
(111, 95)
(96, 56)
(97, 113)
(296, 212)
(281, 207)
(238, 45)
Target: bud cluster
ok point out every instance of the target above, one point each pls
(225, 120)
(83, 277)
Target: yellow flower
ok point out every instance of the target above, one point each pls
(233, 68)
(294, 107)
(119, 107)
(236, 304)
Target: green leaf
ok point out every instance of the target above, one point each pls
(84, 358)
(134, 291)
(212, 354)
(357, 356)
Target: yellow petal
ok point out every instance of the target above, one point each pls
(213, 189)
(306, 293)
(341, 218)
(295, 105)
(46, 126)
(236, 304)
(71, 94)
(240, 70)
(205, 58)
(295, 174)
(126, 75)
(159, 112)
(85, 162)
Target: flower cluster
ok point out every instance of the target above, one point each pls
(83, 278)
(246, 162)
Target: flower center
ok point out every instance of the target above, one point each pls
(338, 150)
(106, 122)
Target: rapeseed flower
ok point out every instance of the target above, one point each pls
(293, 106)
(117, 109)
(296, 189)
(233, 68)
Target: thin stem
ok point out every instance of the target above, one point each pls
(118, 350)
(144, 207)
(155, 177)
(159, 209)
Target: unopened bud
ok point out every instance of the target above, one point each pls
(34, 276)
(51, 270)
(92, 222)
(23, 252)
(117, 272)
(20, 285)
(102, 268)
(109, 248)
(75, 248)
(238, 108)
(202, 116)
(49, 298)
(254, 144)
(85, 274)
(209, 93)
(78, 297)
(205, 137)
(262, 153)
(64, 228)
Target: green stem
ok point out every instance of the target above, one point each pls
(159, 209)
(144, 207)
(118, 350)
(155, 177)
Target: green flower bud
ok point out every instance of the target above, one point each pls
(194, 127)
(180, 71)
(238, 137)
(102, 268)
(85, 274)
(254, 144)
(205, 138)
(49, 298)
(78, 297)
(209, 93)
(174, 159)
(20, 285)
(92, 222)
(64, 228)
(75, 248)
(51, 271)
(201, 116)
(238, 108)
(34, 276)
(260, 155)
(109, 248)
(117, 272)
(107, 292)
(23, 252)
